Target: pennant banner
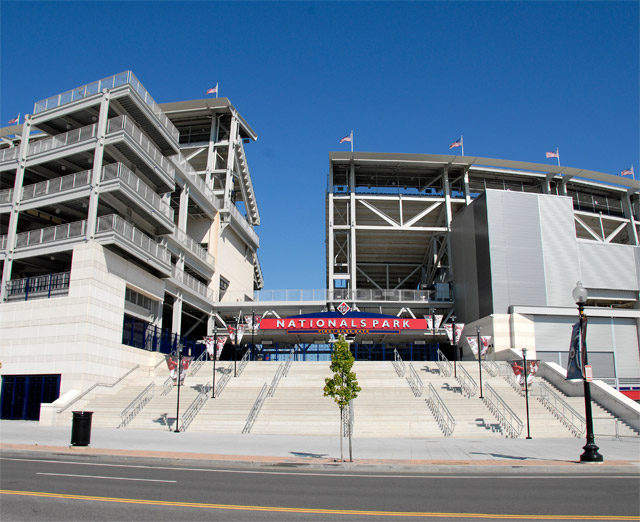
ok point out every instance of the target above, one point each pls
(429, 320)
(220, 345)
(253, 322)
(518, 370)
(574, 369)
(438, 321)
(240, 333)
(449, 329)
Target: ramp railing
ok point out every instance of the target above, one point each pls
(287, 366)
(415, 382)
(440, 411)
(253, 414)
(398, 363)
(243, 362)
(222, 382)
(136, 405)
(508, 420)
(561, 410)
(198, 363)
(491, 368)
(195, 406)
(446, 368)
(467, 383)
(276, 379)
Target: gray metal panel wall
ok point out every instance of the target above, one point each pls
(517, 266)
(560, 249)
(463, 256)
(483, 258)
(609, 266)
(627, 347)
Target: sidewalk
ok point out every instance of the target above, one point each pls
(557, 454)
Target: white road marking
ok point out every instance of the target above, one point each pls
(101, 477)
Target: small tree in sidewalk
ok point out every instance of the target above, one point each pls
(343, 386)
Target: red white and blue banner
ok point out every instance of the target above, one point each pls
(339, 323)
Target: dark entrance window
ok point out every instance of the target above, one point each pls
(23, 394)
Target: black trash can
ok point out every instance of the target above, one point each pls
(81, 428)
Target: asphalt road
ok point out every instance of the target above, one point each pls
(50, 487)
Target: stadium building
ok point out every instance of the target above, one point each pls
(128, 232)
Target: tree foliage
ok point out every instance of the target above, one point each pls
(343, 386)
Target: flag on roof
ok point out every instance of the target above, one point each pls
(552, 154)
(348, 137)
(627, 172)
(213, 90)
(15, 120)
(457, 143)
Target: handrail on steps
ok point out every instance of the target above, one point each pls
(446, 368)
(565, 413)
(398, 363)
(508, 420)
(257, 405)
(195, 406)
(467, 383)
(440, 411)
(136, 405)
(91, 388)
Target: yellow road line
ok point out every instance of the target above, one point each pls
(277, 509)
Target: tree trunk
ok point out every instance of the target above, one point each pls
(341, 457)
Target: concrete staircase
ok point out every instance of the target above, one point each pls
(386, 406)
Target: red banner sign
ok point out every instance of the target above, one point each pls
(350, 323)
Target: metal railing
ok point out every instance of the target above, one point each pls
(446, 368)
(195, 406)
(167, 385)
(191, 282)
(189, 244)
(62, 140)
(222, 382)
(136, 405)
(94, 386)
(108, 83)
(244, 224)
(467, 383)
(41, 236)
(3, 242)
(198, 363)
(287, 366)
(372, 295)
(116, 224)
(9, 154)
(183, 165)
(56, 185)
(39, 286)
(253, 414)
(491, 368)
(440, 411)
(243, 362)
(398, 363)
(126, 124)
(6, 196)
(415, 382)
(276, 379)
(561, 410)
(510, 377)
(508, 420)
(120, 171)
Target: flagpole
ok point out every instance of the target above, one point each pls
(216, 89)
(462, 143)
(352, 141)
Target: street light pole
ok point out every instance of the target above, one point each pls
(433, 329)
(215, 353)
(235, 351)
(590, 449)
(253, 333)
(479, 357)
(178, 401)
(455, 345)
(526, 388)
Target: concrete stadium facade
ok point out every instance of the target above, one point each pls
(128, 230)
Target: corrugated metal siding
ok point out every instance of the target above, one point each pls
(608, 266)
(517, 267)
(560, 249)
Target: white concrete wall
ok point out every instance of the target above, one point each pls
(80, 335)
(234, 262)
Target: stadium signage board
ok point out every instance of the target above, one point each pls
(347, 323)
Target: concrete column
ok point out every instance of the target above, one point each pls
(449, 216)
(176, 323)
(15, 205)
(467, 190)
(231, 158)
(211, 152)
(352, 229)
(632, 230)
(98, 155)
(331, 236)
(183, 211)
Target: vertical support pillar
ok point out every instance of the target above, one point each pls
(632, 229)
(211, 152)
(15, 205)
(183, 211)
(98, 155)
(332, 236)
(449, 216)
(231, 157)
(467, 190)
(176, 323)
(352, 229)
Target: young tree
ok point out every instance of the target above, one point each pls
(343, 386)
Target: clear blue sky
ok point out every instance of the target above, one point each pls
(516, 78)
